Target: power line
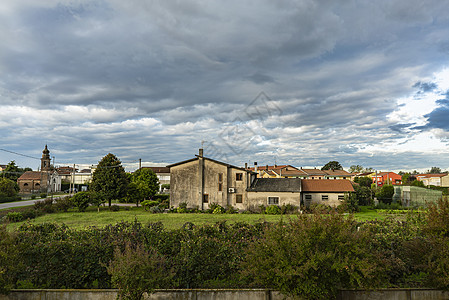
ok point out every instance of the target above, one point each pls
(16, 153)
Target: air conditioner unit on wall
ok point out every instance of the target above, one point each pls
(231, 190)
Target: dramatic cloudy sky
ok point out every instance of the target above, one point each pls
(297, 82)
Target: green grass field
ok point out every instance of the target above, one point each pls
(80, 220)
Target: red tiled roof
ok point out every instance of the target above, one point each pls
(314, 171)
(31, 175)
(337, 173)
(326, 185)
(430, 175)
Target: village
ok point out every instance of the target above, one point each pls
(201, 181)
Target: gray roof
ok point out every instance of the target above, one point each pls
(276, 185)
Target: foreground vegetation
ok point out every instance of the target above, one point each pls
(312, 255)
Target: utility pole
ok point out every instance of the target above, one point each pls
(73, 178)
(140, 163)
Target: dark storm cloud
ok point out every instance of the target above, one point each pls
(425, 87)
(439, 117)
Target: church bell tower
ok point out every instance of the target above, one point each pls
(45, 160)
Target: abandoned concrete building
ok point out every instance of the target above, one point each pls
(200, 181)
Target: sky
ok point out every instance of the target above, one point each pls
(299, 82)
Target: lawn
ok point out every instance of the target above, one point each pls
(80, 220)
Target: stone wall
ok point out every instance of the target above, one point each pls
(228, 294)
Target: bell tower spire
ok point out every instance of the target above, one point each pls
(45, 160)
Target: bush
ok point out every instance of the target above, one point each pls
(147, 204)
(63, 204)
(44, 206)
(161, 197)
(33, 197)
(155, 209)
(218, 210)
(114, 207)
(288, 209)
(15, 216)
(135, 271)
(273, 210)
(29, 214)
(43, 195)
(313, 257)
(81, 200)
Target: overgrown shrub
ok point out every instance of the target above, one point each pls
(63, 204)
(43, 195)
(313, 257)
(135, 271)
(15, 216)
(44, 206)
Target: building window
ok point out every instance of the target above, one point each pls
(239, 176)
(308, 197)
(273, 200)
(341, 197)
(220, 187)
(239, 198)
(205, 198)
(25, 184)
(220, 177)
(324, 197)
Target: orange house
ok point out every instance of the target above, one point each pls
(387, 178)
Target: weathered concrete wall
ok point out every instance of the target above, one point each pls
(316, 198)
(184, 185)
(217, 294)
(261, 198)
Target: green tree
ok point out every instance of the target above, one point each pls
(434, 170)
(8, 188)
(356, 169)
(13, 172)
(417, 183)
(363, 194)
(332, 165)
(146, 182)
(385, 194)
(364, 181)
(109, 178)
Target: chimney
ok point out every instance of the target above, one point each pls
(255, 166)
(201, 152)
(246, 166)
(267, 167)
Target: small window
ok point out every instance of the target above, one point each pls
(273, 200)
(37, 184)
(25, 184)
(324, 197)
(308, 197)
(220, 177)
(239, 176)
(220, 187)
(341, 197)
(205, 198)
(239, 198)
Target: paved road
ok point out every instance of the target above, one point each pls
(23, 203)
